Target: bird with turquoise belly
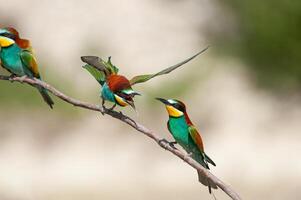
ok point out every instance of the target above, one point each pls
(187, 136)
(16, 56)
(117, 88)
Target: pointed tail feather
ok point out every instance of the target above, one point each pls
(205, 181)
(46, 96)
(209, 160)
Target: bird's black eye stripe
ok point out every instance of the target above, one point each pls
(178, 107)
(125, 96)
(8, 35)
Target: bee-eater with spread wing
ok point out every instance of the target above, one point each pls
(17, 57)
(186, 134)
(117, 88)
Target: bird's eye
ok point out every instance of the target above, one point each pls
(8, 35)
(177, 106)
(124, 96)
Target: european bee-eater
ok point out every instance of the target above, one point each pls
(17, 57)
(186, 134)
(117, 88)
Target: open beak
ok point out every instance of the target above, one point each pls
(131, 103)
(163, 101)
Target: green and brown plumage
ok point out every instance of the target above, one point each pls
(117, 88)
(17, 57)
(187, 135)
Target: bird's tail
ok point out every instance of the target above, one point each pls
(46, 96)
(207, 182)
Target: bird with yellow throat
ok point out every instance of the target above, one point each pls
(187, 135)
(16, 56)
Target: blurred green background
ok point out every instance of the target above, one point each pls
(267, 37)
(242, 94)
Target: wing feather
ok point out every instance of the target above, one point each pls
(98, 75)
(30, 62)
(97, 63)
(146, 77)
(99, 68)
(196, 137)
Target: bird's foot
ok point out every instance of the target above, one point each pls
(162, 142)
(128, 118)
(102, 110)
(22, 78)
(112, 108)
(188, 155)
(11, 78)
(106, 109)
(103, 107)
(171, 144)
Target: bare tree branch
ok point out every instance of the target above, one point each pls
(118, 115)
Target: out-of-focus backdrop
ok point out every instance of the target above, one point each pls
(242, 94)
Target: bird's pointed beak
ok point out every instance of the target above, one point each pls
(136, 93)
(163, 100)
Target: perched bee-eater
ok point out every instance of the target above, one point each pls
(117, 88)
(186, 134)
(17, 57)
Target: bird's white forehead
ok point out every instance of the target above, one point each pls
(128, 91)
(171, 101)
(3, 31)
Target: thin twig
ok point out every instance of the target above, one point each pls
(34, 82)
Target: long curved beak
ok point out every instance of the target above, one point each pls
(163, 101)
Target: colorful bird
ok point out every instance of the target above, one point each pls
(186, 134)
(117, 88)
(17, 57)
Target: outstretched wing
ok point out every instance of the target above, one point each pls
(99, 68)
(144, 78)
(97, 74)
(113, 68)
(30, 62)
(97, 63)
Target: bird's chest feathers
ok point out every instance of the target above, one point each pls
(106, 93)
(10, 59)
(179, 129)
